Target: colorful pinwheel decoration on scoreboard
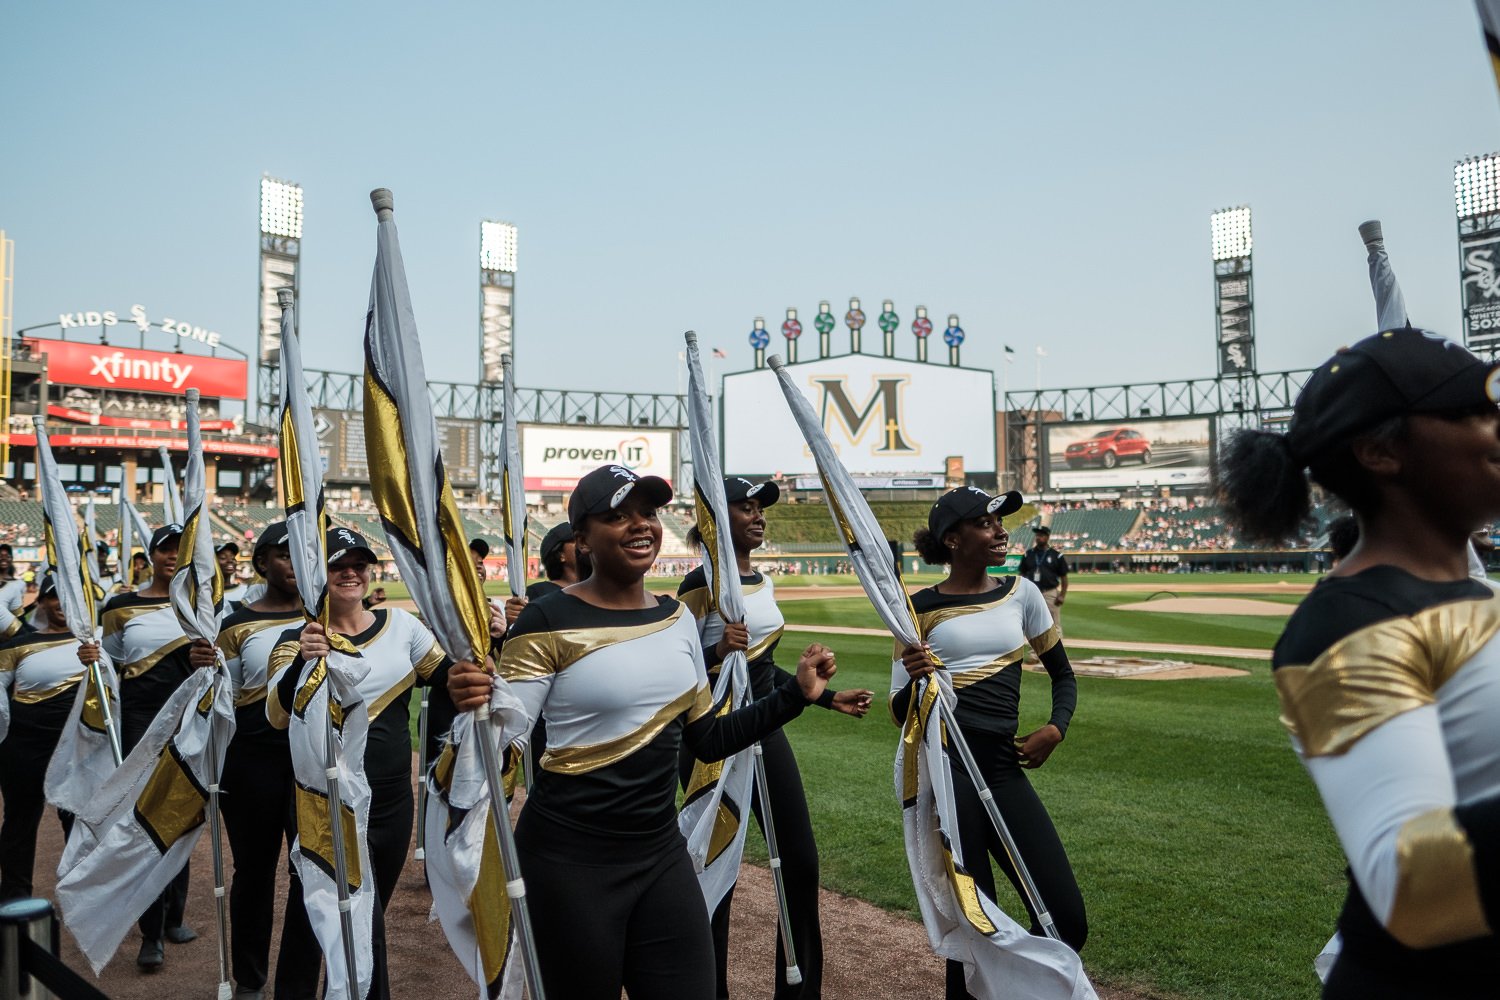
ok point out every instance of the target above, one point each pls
(854, 319)
(760, 338)
(888, 322)
(824, 322)
(953, 337)
(791, 329)
(921, 328)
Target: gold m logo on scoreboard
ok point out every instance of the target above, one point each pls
(884, 409)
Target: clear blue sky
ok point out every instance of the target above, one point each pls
(1044, 170)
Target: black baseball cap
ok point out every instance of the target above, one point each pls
(607, 487)
(479, 547)
(1392, 373)
(274, 535)
(555, 539)
(47, 586)
(737, 488)
(343, 541)
(1042, 529)
(966, 502)
(164, 534)
(227, 545)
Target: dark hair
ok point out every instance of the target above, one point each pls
(694, 537)
(931, 549)
(553, 563)
(1265, 492)
(1343, 535)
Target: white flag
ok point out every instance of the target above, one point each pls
(426, 536)
(83, 760)
(1001, 958)
(1390, 304)
(717, 805)
(171, 496)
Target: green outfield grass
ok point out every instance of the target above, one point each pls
(1206, 861)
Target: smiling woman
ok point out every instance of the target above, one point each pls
(619, 676)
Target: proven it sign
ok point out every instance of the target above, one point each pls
(100, 366)
(555, 458)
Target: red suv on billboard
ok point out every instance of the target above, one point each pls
(1109, 448)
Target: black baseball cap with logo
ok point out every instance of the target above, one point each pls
(479, 547)
(231, 545)
(966, 502)
(607, 487)
(555, 539)
(274, 535)
(1390, 374)
(346, 541)
(47, 586)
(737, 488)
(161, 536)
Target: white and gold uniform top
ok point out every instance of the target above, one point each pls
(981, 639)
(247, 639)
(39, 666)
(1390, 688)
(622, 692)
(146, 645)
(400, 653)
(12, 595)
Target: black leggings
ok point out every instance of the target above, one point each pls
(24, 756)
(392, 814)
(799, 869)
(1035, 838)
(137, 712)
(259, 815)
(615, 912)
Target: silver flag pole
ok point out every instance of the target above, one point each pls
(768, 827)
(421, 852)
(215, 824)
(336, 831)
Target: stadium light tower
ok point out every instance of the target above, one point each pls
(497, 296)
(280, 265)
(1476, 199)
(1233, 300)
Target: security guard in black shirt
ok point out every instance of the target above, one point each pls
(1045, 566)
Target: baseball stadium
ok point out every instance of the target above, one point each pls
(269, 820)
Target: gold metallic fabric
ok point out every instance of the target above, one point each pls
(539, 654)
(1046, 640)
(964, 678)
(172, 803)
(583, 759)
(133, 670)
(1437, 890)
(697, 601)
(316, 835)
(1379, 672)
(489, 906)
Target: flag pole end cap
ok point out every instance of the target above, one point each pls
(384, 202)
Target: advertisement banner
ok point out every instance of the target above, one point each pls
(102, 366)
(556, 457)
(211, 446)
(1129, 453)
(134, 423)
(884, 416)
(1480, 281)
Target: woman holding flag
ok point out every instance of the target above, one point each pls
(979, 627)
(619, 674)
(259, 808)
(153, 655)
(757, 636)
(40, 670)
(395, 651)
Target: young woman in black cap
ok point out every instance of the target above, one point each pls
(620, 676)
(258, 804)
(152, 657)
(559, 555)
(39, 671)
(979, 628)
(758, 637)
(398, 652)
(1388, 673)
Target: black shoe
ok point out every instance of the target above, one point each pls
(246, 993)
(181, 934)
(152, 955)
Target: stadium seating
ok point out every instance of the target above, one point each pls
(1097, 530)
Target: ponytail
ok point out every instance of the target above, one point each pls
(929, 548)
(1263, 488)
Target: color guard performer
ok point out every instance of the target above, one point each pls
(979, 628)
(758, 636)
(398, 652)
(39, 670)
(257, 786)
(153, 656)
(619, 674)
(1389, 672)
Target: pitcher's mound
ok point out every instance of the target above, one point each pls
(1212, 606)
(1136, 668)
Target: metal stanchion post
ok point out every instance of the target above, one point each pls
(29, 919)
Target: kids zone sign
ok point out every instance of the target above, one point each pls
(102, 366)
(555, 458)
